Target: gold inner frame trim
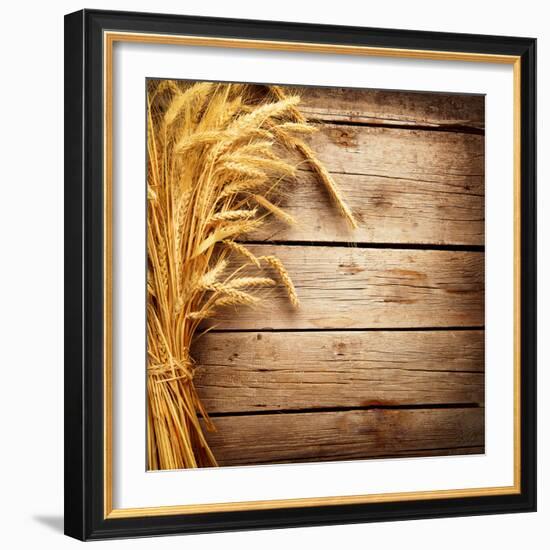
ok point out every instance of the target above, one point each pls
(109, 38)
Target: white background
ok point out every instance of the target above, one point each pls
(31, 407)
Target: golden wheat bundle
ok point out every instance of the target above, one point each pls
(213, 176)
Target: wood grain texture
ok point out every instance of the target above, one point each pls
(392, 107)
(240, 372)
(404, 186)
(346, 435)
(346, 287)
(389, 210)
(454, 159)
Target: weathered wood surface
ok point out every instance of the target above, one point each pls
(392, 107)
(239, 372)
(344, 435)
(388, 210)
(346, 287)
(451, 158)
(404, 186)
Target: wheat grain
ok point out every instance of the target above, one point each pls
(265, 164)
(250, 282)
(232, 215)
(276, 264)
(258, 116)
(198, 91)
(275, 210)
(297, 128)
(241, 169)
(243, 251)
(243, 185)
(213, 274)
(243, 299)
(219, 234)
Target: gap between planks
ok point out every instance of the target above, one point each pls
(411, 127)
(374, 245)
(351, 329)
(392, 107)
(321, 410)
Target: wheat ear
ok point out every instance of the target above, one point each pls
(278, 266)
(309, 155)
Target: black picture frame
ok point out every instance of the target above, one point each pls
(84, 283)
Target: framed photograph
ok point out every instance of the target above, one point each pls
(300, 274)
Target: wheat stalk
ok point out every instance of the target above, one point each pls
(275, 210)
(212, 163)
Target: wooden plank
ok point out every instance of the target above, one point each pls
(454, 159)
(373, 453)
(388, 211)
(346, 287)
(239, 372)
(404, 186)
(263, 439)
(392, 107)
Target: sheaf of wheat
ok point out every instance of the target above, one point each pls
(215, 170)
